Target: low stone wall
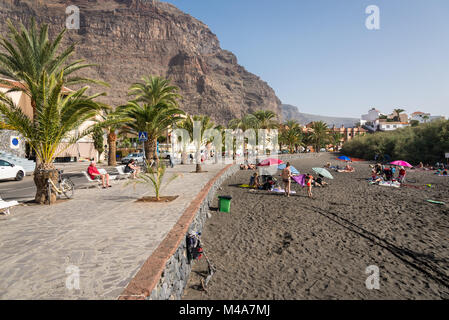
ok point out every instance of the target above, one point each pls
(155, 284)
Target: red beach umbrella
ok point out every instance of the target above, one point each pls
(270, 162)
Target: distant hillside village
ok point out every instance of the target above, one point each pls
(375, 120)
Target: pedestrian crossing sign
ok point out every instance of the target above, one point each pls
(143, 136)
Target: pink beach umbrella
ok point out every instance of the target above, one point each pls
(401, 163)
(270, 162)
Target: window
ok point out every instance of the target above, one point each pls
(4, 163)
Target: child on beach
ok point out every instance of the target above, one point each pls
(402, 174)
(309, 179)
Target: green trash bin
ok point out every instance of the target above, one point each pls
(225, 203)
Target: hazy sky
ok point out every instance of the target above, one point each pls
(319, 55)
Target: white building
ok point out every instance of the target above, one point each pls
(390, 126)
(371, 116)
(423, 117)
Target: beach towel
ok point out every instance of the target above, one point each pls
(244, 186)
(436, 202)
(301, 179)
(282, 191)
(389, 184)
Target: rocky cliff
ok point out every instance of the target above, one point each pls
(290, 112)
(128, 39)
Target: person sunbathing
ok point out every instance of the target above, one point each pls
(319, 182)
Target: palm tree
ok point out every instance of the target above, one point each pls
(291, 135)
(319, 136)
(245, 123)
(154, 119)
(188, 125)
(41, 69)
(155, 91)
(397, 113)
(116, 120)
(265, 120)
(336, 138)
(29, 54)
(59, 116)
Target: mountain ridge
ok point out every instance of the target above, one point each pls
(129, 39)
(290, 112)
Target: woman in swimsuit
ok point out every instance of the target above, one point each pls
(286, 174)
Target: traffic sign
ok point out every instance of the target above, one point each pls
(447, 155)
(143, 136)
(14, 142)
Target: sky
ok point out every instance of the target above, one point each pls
(319, 55)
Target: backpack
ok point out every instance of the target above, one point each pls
(194, 248)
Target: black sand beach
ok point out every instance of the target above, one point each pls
(274, 247)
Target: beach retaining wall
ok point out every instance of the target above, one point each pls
(165, 274)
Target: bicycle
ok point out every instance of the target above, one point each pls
(65, 186)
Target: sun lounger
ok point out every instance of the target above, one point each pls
(6, 205)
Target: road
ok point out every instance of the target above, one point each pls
(25, 190)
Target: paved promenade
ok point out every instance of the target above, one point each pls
(103, 233)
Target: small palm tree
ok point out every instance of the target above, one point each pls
(154, 178)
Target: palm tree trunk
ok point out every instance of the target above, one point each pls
(41, 175)
(156, 157)
(198, 161)
(112, 155)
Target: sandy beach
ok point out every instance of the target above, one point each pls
(274, 247)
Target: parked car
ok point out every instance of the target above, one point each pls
(138, 157)
(11, 171)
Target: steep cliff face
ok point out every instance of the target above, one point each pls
(128, 39)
